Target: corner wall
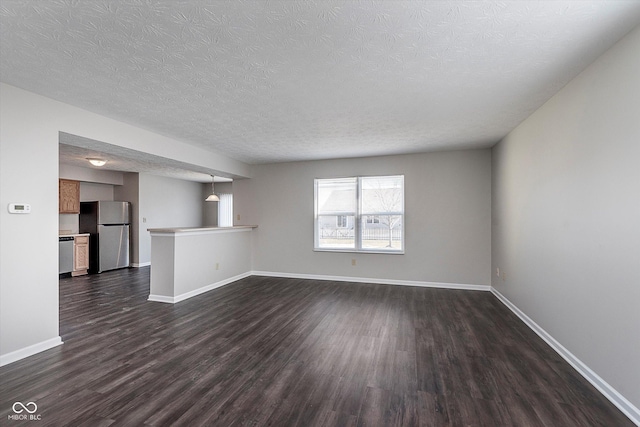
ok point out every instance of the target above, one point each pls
(165, 203)
(29, 138)
(566, 217)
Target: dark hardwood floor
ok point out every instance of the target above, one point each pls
(287, 352)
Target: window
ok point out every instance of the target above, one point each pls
(373, 219)
(225, 210)
(360, 214)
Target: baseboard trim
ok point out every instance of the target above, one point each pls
(601, 385)
(190, 294)
(442, 285)
(141, 264)
(14, 356)
(161, 298)
(466, 287)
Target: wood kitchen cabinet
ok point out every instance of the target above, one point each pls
(69, 196)
(80, 255)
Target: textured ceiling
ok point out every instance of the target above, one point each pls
(269, 81)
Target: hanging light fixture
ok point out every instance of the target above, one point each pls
(212, 197)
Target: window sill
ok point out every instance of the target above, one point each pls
(361, 251)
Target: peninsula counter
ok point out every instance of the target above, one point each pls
(188, 261)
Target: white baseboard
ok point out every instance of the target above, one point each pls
(14, 356)
(443, 285)
(182, 297)
(603, 387)
(186, 295)
(161, 298)
(141, 264)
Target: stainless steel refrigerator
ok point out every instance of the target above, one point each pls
(108, 223)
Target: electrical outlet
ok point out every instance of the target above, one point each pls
(144, 219)
(353, 261)
(498, 271)
(217, 266)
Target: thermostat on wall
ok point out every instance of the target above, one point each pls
(19, 208)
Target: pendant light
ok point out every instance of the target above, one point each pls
(212, 197)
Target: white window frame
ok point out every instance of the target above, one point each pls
(359, 217)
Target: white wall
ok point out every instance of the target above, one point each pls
(28, 243)
(566, 217)
(196, 257)
(448, 218)
(166, 203)
(68, 223)
(90, 192)
(29, 140)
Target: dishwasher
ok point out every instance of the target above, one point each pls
(65, 254)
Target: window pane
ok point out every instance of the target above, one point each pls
(336, 232)
(382, 207)
(382, 195)
(336, 196)
(336, 205)
(225, 210)
(384, 235)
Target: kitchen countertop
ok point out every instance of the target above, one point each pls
(178, 230)
(63, 234)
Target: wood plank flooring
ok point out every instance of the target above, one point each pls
(286, 352)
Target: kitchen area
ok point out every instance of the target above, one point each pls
(94, 236)
(105, 213)
(110, 220)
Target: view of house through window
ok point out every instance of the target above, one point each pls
(360, 214)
